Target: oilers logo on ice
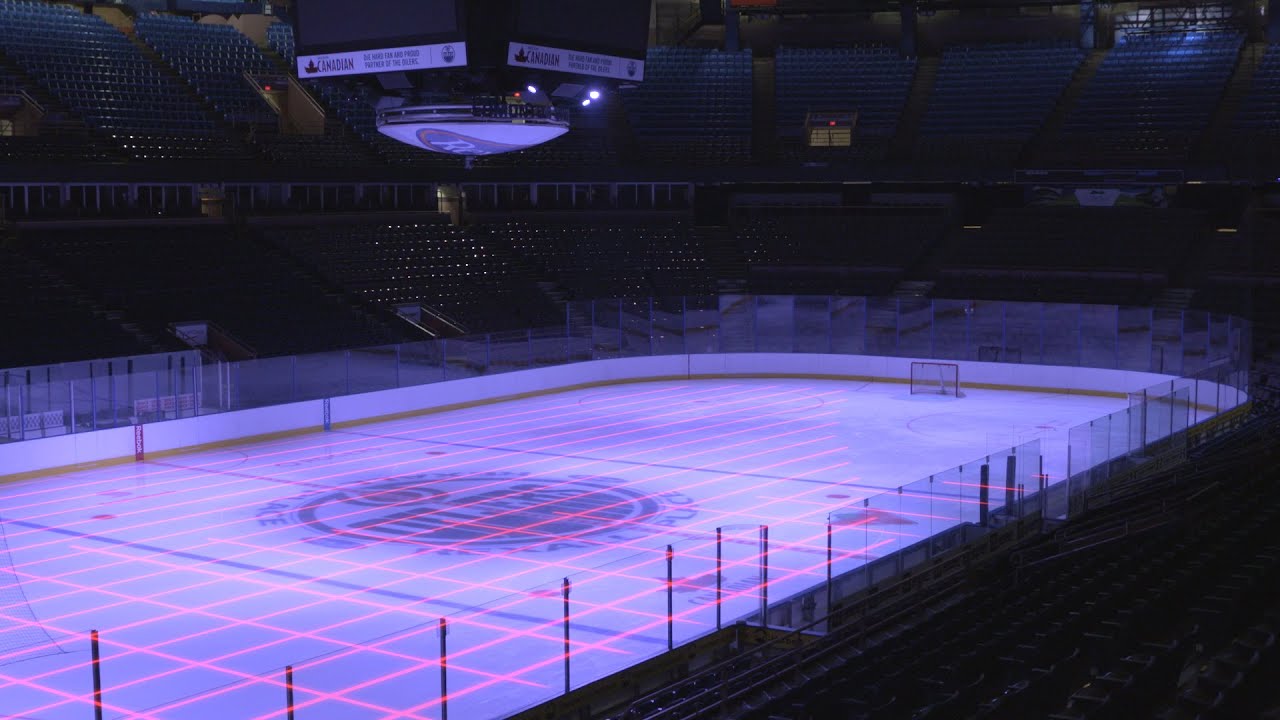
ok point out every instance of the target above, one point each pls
(477, 512)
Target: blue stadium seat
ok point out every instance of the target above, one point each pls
(1152, 97)
(213, 58)
(615, 260)
(96, 71)
(989, 100)
(1261, 108)
(872, 81)
(694, 106)
(464, 272)
(280, 38)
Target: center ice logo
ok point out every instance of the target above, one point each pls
(480, 512)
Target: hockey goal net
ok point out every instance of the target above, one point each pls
(935, 378)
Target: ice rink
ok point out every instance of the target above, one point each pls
(338, 553)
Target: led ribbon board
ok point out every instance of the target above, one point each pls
(398, 59)
(540, 57)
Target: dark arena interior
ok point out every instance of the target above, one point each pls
(347, 348)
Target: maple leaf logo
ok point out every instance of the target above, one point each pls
(521, 56)
(311, 67)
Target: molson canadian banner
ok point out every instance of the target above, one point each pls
(396, 59)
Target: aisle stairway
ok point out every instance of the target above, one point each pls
(763, 110)
(1052, 127)
(1215, 137)
(904, 139)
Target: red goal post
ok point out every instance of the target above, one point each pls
(935, 378)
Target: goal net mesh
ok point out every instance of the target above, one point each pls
(936, 378)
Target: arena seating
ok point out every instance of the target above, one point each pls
(1052, 254)
(612, 260)
(873, 81)
(59, 138)
(280, 39)
(213, 58)
(461, 272)
(694, 107)
(56, 324)
(98, 73)
(313, 151)
(989, 100)
(162, 274)
(1150, 100)
(807, 250)
(1254, 143)
(1262, 106)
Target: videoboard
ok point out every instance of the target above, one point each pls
(338, 37)
(602, 38)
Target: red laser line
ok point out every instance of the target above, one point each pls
(411, 449)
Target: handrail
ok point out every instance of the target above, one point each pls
(297, 89)
(250, 78)
(33, 102)
(444, 318)
(220, 340)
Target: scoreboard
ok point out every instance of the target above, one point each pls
(337, 37)
(601, 38)
(475, 77)
(595, 38)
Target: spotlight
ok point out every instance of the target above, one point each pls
(533, 89)
(594, 94)
(586, 102)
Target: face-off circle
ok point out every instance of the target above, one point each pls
(486, 511)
